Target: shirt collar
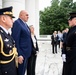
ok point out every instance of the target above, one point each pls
(4, 29)
(23, 21)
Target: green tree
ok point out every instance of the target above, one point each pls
(46, 18)
(55, 16)
(74, 7)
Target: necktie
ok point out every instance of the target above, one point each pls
(28, 28)
(9, 34)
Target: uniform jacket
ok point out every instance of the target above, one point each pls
(54, 40)
(70, 47)
(71, 43)
(8, 44)
(22, 37)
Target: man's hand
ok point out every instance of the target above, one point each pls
(20, 59)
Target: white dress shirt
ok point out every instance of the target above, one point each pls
(4, 29)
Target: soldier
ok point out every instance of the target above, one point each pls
(7, 44)
(70, 47)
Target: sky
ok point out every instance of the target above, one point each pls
(45, 3)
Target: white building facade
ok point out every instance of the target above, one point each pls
(31, 6)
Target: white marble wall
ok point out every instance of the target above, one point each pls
(0, 3)
(33, 9)
(37, 27)
(18, 5)
(31, 6)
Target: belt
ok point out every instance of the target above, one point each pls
(70, 48)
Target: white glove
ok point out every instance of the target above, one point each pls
(64, 57)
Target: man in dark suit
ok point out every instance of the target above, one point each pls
(22, 37)
(54, 42)
(7, 44)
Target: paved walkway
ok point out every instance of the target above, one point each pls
(48, 63)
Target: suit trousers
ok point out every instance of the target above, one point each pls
(54, 48)
(22, 67)
(31, 65)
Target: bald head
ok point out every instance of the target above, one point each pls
(24, 15)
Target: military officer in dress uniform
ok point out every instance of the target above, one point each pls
(70, 47)
(7, 44)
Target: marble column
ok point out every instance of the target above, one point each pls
(33, 9)
(18, 5)
(0, 3)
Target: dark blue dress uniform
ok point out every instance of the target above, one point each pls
(70, 50)
(7, 67)
(7, 48)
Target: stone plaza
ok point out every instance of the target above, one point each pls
(48, 63)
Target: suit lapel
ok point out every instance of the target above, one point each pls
(24, 25)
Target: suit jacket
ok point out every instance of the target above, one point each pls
(54, 40)
(22, 37)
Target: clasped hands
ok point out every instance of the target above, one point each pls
(20, 59)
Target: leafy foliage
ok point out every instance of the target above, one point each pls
(55, 16)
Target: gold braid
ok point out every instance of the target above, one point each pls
(13, 54)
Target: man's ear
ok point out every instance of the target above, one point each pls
(3, 18)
